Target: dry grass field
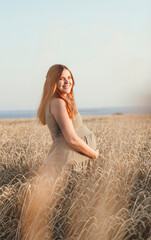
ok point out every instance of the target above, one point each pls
(110, 200)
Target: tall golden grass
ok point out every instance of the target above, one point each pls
(110, 200)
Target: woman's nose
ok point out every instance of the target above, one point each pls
(66, 80)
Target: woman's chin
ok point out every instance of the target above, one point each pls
(67, 92)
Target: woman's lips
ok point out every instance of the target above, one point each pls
(66, 86)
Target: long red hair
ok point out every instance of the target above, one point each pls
(50, 90)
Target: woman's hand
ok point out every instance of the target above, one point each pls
(96, 155)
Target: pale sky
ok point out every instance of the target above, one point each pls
(105, 43)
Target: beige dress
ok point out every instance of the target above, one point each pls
(61, 155)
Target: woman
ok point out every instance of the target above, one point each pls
(73, 143)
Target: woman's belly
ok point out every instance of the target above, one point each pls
(61, 152)
(85, 134)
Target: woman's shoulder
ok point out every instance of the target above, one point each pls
(57, 102)
(57, 105)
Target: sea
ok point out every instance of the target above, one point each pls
(83, 111)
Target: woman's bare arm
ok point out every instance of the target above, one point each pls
(59, 111)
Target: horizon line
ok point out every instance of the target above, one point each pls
(81, 108)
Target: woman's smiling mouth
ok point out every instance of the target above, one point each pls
(66, 86)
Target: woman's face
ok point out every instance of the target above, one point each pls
(65, 82)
